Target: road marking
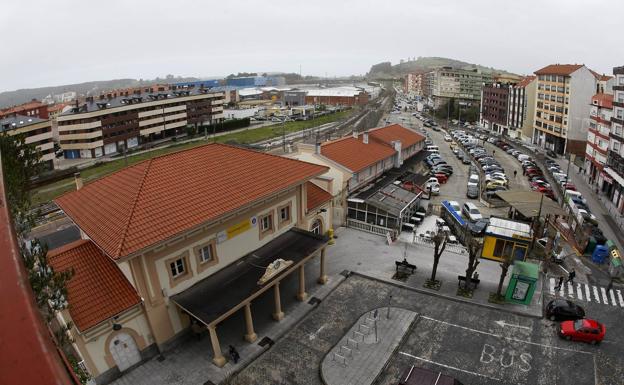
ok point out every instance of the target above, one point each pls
(503, 337)
(570, 290)
(596, 293)
(552, 286)
(587, 293)
(604, 296)
(579, 292)
(449, 367)
(620, 299)
(502, 323)
(612, 295)
(562, 290)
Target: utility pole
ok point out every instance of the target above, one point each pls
(284, 134)
(448, 112)
(571, 158)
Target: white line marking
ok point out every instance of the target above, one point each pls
(449, 367)
(503, 337)
(570, 290)
(596, 294)
(562, 290)
(502, 323)
(552, 286)
(612, 295)
(620, 299)
(604, 296)
(587, 293)
(579, 292)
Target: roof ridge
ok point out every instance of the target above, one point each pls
(134, 204)
(266, 153)
(62, 249)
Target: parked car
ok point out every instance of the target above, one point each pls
(471, 211)
(455, 206)
(563, 310)
(585, 330)
(442, 178)
(447, 138)
(434, 187)
(478, 228)
(472, 191)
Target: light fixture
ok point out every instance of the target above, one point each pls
(321, 211)
(116, 326)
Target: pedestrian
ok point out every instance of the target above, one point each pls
(493, 152)
(571, 276)
(559, 284)
(610, 285)
(234, 354)
(515, 173)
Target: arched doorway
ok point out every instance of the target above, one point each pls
(124, 350)
(317, 227)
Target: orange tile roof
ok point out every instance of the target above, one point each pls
(525, 81)
(394, 132)
(355, 155)
(160, 198)
(604, 100)
(98, 290)
(604, 78)
(558, 69)
(316, 196)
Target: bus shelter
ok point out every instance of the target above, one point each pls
(506, 240)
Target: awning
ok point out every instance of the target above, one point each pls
(614, 175)
(215, 295)
(528, 203)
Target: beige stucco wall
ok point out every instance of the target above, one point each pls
(339, 177)
(93, 345)
(125, 269)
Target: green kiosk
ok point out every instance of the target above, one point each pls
(522, 284)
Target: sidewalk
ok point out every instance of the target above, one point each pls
(608, 223)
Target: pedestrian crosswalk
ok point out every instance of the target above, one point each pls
(585, 292)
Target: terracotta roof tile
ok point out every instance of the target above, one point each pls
(316, 196)
(558, 69)
(604, 100)
(98, 290)
(355, 155)
(525, 81)
(388, 134)
(159, 198)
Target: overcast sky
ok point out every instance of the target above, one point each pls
(58, 42)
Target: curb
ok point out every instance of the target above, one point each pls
(451, 298)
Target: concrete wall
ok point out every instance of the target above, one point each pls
(530, 93)
(582, 88)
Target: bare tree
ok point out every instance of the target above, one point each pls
(474, 249)
(507, 261)
(439, 242)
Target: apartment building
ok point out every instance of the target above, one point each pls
(523, 108)
(121, 120)
(464, 85)
(598, 130)
(495, 107)
(192, 238)
(345, 96)
(356, 161)
(414, 83)
(562, 108)
(613, 175)
(32, 109)
(36, 131)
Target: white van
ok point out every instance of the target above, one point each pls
(572, 193)
(432, 148)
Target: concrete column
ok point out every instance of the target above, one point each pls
(250, 336)
(278, 315)
(302, 295)
(323, 276)
(218, 358)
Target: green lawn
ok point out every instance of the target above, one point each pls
(48, 192)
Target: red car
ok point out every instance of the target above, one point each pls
(544, 190)
(586, 330)
(533, 172)
(539, 183)
(442, 178)
(569, 186)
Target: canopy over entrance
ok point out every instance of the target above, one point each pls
(528, 203)
(231, 287)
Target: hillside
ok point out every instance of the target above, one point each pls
(11, 98)
(387, 70)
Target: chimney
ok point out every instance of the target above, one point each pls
(317, 148)
(78, 181)
(365, 138)
(355, 134)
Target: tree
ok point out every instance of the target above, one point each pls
(439, 242)
(504, 265)
(474, 250)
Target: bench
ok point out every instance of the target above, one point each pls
(404, 265)
(474, 281)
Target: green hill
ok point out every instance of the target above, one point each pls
(387, 70)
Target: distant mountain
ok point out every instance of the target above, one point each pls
(11, 98)
(387, 70)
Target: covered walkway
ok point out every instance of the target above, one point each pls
(221, 295)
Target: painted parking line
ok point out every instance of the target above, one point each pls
(612, 296)
(605, 300)
(579, 292)
(596, 294)
(552, 286)
(449, 366)
(570, 290)
(620, 299)
(587, 293)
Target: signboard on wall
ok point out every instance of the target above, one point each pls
(236, 229)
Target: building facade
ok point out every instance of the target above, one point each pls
(345, 96)
(174, 252)
(32, 109)
(112, 123)
(525, 106)
(561, 107)
(598, 130)
(495, 107)
(414, 83)
(464, 85)
(613, 174)
(37, 132)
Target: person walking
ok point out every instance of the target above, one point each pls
(571, 276)
(610, 285)
(515, 173)
(559, 284)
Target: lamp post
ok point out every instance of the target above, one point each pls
(284, 134)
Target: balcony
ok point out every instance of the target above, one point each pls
(616, 162)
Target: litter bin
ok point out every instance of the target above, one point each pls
(600, 254)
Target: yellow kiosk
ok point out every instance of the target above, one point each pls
(506, 239)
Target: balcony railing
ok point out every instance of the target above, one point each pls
(616, 162)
